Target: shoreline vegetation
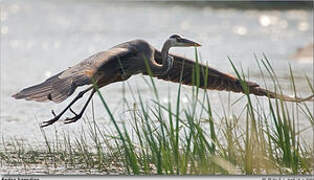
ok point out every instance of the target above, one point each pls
(175, 139)
(260, 5)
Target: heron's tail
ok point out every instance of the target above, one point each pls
(54, 89)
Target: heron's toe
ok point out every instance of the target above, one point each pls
(72, 120)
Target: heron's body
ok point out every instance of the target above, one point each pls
(126, 59)
(115, 64)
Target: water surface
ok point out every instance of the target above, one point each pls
(39, 39)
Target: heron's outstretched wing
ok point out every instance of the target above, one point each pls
(215, 79)
(62, 85)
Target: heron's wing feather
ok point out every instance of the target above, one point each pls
(184, 71)
(62, 85)
(91, 65)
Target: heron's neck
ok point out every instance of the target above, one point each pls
(165, 52)
(158, 69)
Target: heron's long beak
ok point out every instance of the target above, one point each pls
(187, 42)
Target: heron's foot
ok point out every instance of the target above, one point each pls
(73, 112)
(49, 122)
(73, 119)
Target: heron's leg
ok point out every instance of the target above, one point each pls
(78, 116)
(57, 117)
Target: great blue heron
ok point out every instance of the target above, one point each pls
(129, 58)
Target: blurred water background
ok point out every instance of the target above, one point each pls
(41, 38)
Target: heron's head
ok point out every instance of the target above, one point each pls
(178, 41)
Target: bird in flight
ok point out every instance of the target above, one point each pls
(120, 62)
